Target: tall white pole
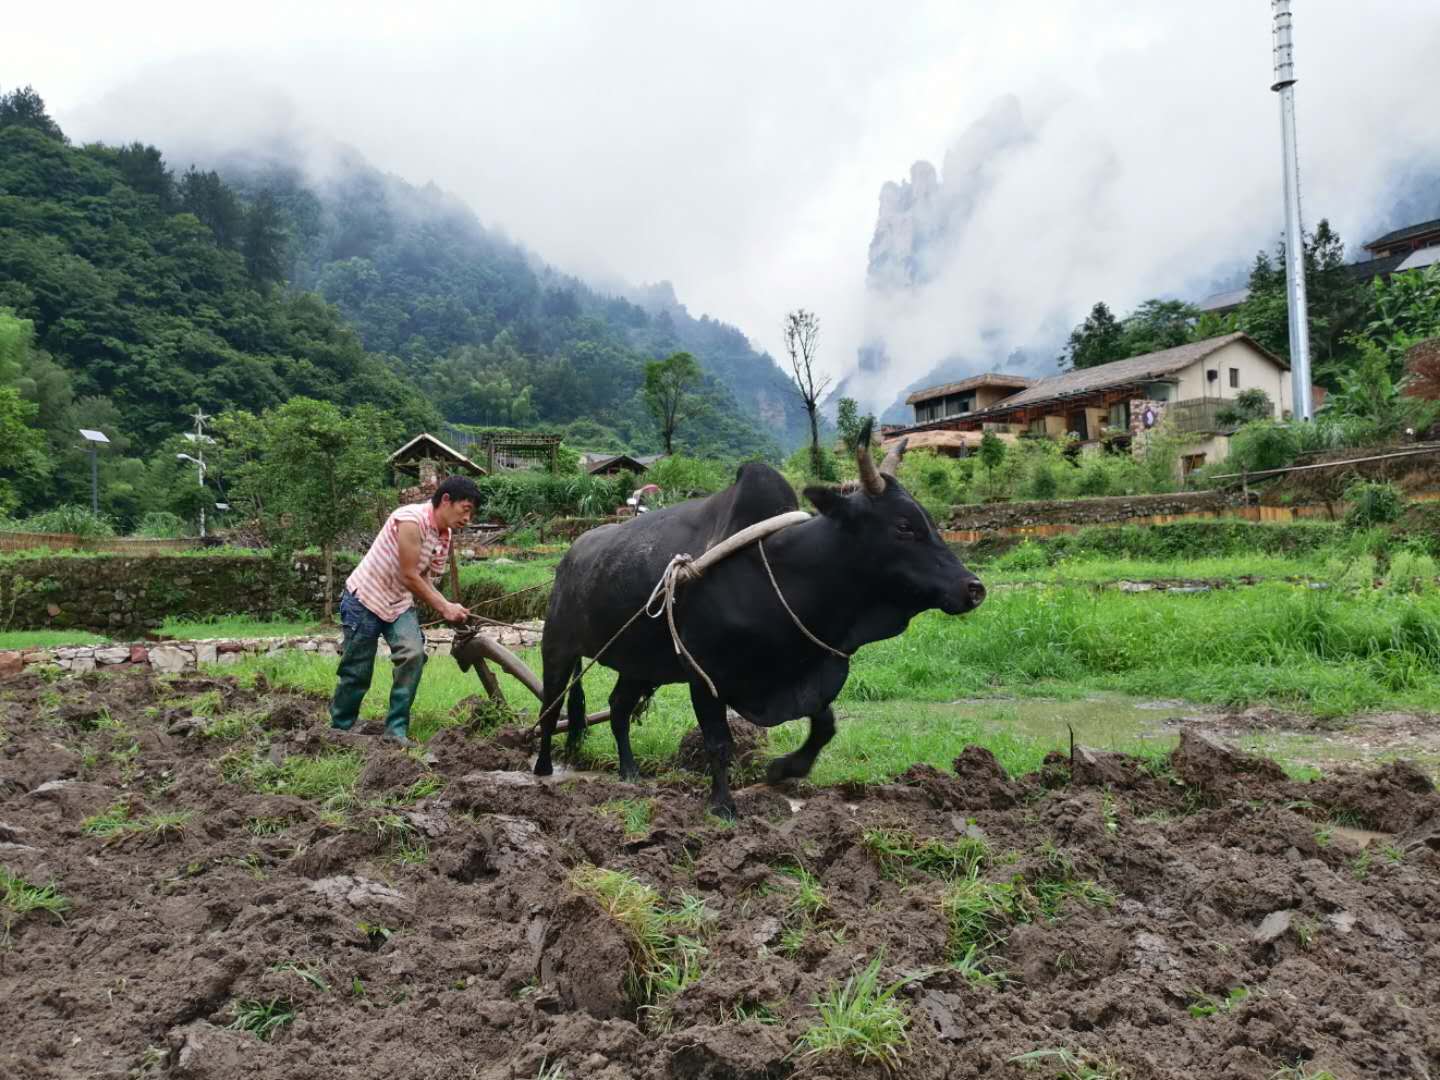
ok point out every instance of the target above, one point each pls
(1294, 231)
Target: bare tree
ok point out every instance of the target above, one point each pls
(802, 333)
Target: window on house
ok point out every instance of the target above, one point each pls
(1234, 377)
(1119, 416)
(1037, 426)
(1190, 462)
(1158, 391)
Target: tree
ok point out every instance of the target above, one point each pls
(1252, 404)
(25, 108)
(1368, 392)
(1158, 324)
(802, 334)
(1338, 304)
(669, 386)
(1097, 340)
(850, 423)
(22, 448)
(309, 471)
(263, 241)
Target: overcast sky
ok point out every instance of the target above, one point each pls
(738, 149)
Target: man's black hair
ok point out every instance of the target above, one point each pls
(460, 489)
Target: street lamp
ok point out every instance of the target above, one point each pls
(200, 475)
(96, 439)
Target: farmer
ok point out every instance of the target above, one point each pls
(379, 601)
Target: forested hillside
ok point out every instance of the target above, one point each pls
(495, 336)
(131, 294)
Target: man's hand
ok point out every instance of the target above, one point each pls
(453, 612)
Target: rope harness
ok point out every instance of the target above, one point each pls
(681, 570)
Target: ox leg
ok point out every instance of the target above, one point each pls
(715, 727)
(623, 699)
(558, 672)
(798, 763)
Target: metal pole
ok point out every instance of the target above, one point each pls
(1303, 408)
(200, 474)
(94, 483)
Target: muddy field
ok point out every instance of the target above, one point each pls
(247, 895)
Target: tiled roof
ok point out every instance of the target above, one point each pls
(990, 378)
(1137, 369)
(1407, 233)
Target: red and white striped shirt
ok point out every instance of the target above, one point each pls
(377, 582)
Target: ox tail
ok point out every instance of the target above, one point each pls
(575, 714)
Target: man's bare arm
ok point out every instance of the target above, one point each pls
(419, 586)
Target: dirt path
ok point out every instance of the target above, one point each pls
(442, 920)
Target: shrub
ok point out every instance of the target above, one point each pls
(77, 520)
(1028, 556)
(1263, 444)
(160, 525)
(1373, 504)
(937, 482)
(681, 477)
(1043, 482)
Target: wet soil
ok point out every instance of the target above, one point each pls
(1223, 921)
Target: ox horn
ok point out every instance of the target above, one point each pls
(893, 458)
(870, 477)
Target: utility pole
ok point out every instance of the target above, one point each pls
(200, 417)
(1303, 408)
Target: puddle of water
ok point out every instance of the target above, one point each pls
(1104, 721)
(1118, 722)
(526, 778)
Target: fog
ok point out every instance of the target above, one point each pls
(1083, 151)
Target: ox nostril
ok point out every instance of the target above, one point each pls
(977, 594)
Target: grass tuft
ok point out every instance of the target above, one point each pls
(263, 1018)
(19, 898)
(665, 949)
(862, 1019)
(634, 814)
(1071, 1066)
(894, 849)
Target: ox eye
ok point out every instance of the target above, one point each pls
(904, 529)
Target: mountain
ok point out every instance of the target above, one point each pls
(493, 334)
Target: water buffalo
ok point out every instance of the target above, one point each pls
(857, 572)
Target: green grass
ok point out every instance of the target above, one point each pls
(240, 626)
(664, 942)
(263, 1018)
(861, 1019)
(115, 823)
(634, 814)
(328, 778)
(1062, 1064)
(48, 639)
(1099, 570)
(19, 898)
(1326, 653)
(946, 859)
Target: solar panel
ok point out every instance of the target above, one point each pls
(93, 436)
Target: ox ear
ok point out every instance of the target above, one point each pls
(832, 502)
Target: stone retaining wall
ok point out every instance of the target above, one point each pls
(176, 656)
(116, 594)
(1102, 511)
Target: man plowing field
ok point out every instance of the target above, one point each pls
(379, 601)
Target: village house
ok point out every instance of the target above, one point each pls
(1112, 406)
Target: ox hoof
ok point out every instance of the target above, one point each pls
(543, 768)
(783, 769)
(630, 776)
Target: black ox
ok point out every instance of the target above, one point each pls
(859, 571)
